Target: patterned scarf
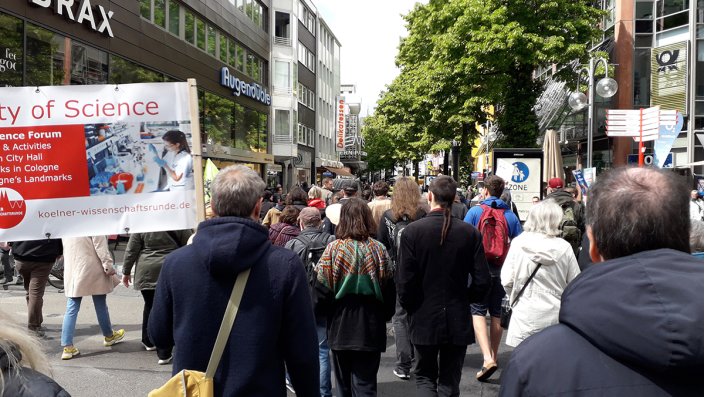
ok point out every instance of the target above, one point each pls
(354, 267)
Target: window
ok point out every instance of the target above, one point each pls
(146, 9)
(12, 47)
(282, 28)
(668, 7)
(211, 39)
(223, 47)
(174, 19)
(250, 65)
(45, 57)
(307, 18)
(200, 34)
(282, 75)
(232, 58)
(123, 71)
(189, 27)
(160, 13)
(89, 65)
(642, 76)
(307, 58)
(281, 123)
(240, 59)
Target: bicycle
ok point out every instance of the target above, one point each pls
(56, 275)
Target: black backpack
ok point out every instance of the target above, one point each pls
(570, 231)
(312, 253)
(396, 238)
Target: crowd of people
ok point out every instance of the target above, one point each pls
(605, 297)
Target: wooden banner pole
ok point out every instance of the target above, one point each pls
(641, 137)
(196, 150)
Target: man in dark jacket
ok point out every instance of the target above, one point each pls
(439, 255)
(632, 324)
(275, 324)
(33, 261)
(559, 193)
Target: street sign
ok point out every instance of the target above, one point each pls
(640, 124)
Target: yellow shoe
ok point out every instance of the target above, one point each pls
(115, 338)
(69, 353)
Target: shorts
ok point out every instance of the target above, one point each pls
(492, 301)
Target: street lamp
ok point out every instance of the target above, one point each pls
(489, 136)
(605, 88)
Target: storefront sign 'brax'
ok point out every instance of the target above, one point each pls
(252, 90)
(84, 13)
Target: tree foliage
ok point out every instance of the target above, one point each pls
(462, 55)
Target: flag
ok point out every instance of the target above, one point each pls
(209, 174)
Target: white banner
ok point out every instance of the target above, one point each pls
(523, 179)
(95, 160)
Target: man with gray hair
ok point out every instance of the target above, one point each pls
(275, 324)
(632, 324)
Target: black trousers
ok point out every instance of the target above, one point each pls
(148, 296)
(438, 369)
(355, 373)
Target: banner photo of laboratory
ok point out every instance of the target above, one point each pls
(133, 158)
(48, 43)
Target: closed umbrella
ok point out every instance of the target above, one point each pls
(552, 160)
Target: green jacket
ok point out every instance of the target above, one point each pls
(146, 251)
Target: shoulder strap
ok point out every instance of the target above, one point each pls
(516, 298)
(227, 325)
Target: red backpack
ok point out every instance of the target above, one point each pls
(495, 234)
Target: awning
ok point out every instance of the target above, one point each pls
(339, 171)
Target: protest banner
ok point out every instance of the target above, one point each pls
(98, 160)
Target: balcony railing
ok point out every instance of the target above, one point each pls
(283, 139)
(282, 41)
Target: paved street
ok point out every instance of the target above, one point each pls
(127, 370)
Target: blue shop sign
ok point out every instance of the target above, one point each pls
(649, 160)
(239, 87)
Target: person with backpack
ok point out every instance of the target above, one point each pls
(405, 209)
(498, 225)
(309, 246)
(572, 225)
(441, 270)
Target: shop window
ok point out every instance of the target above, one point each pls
(88, 65)
(200, 34)
(45, 57)
(218, 119)
(146, 9)
(123, 71)
(11, 51)
(189, 27)
(211, 39)
(174, 18)
(160, 13)
(239, 133)
(251, 129)
(263, 133)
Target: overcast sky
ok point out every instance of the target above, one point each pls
(369, 32)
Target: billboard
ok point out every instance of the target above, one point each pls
(522, 171)
(96, 160)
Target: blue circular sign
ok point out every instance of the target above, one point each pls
(520, 173)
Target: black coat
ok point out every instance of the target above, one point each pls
(631, 326)
(26, 382)
(44, 250)
(433, 279)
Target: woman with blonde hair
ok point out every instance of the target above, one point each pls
(538, 251)
(315, 198)
(24, 368)
(406, 208)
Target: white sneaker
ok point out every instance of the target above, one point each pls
(165, 361)
(149, 348)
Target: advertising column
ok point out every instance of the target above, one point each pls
(95, 160)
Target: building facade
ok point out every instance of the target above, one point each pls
(306, 59)
(353, 155)
(656, 47)
(131, 41)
